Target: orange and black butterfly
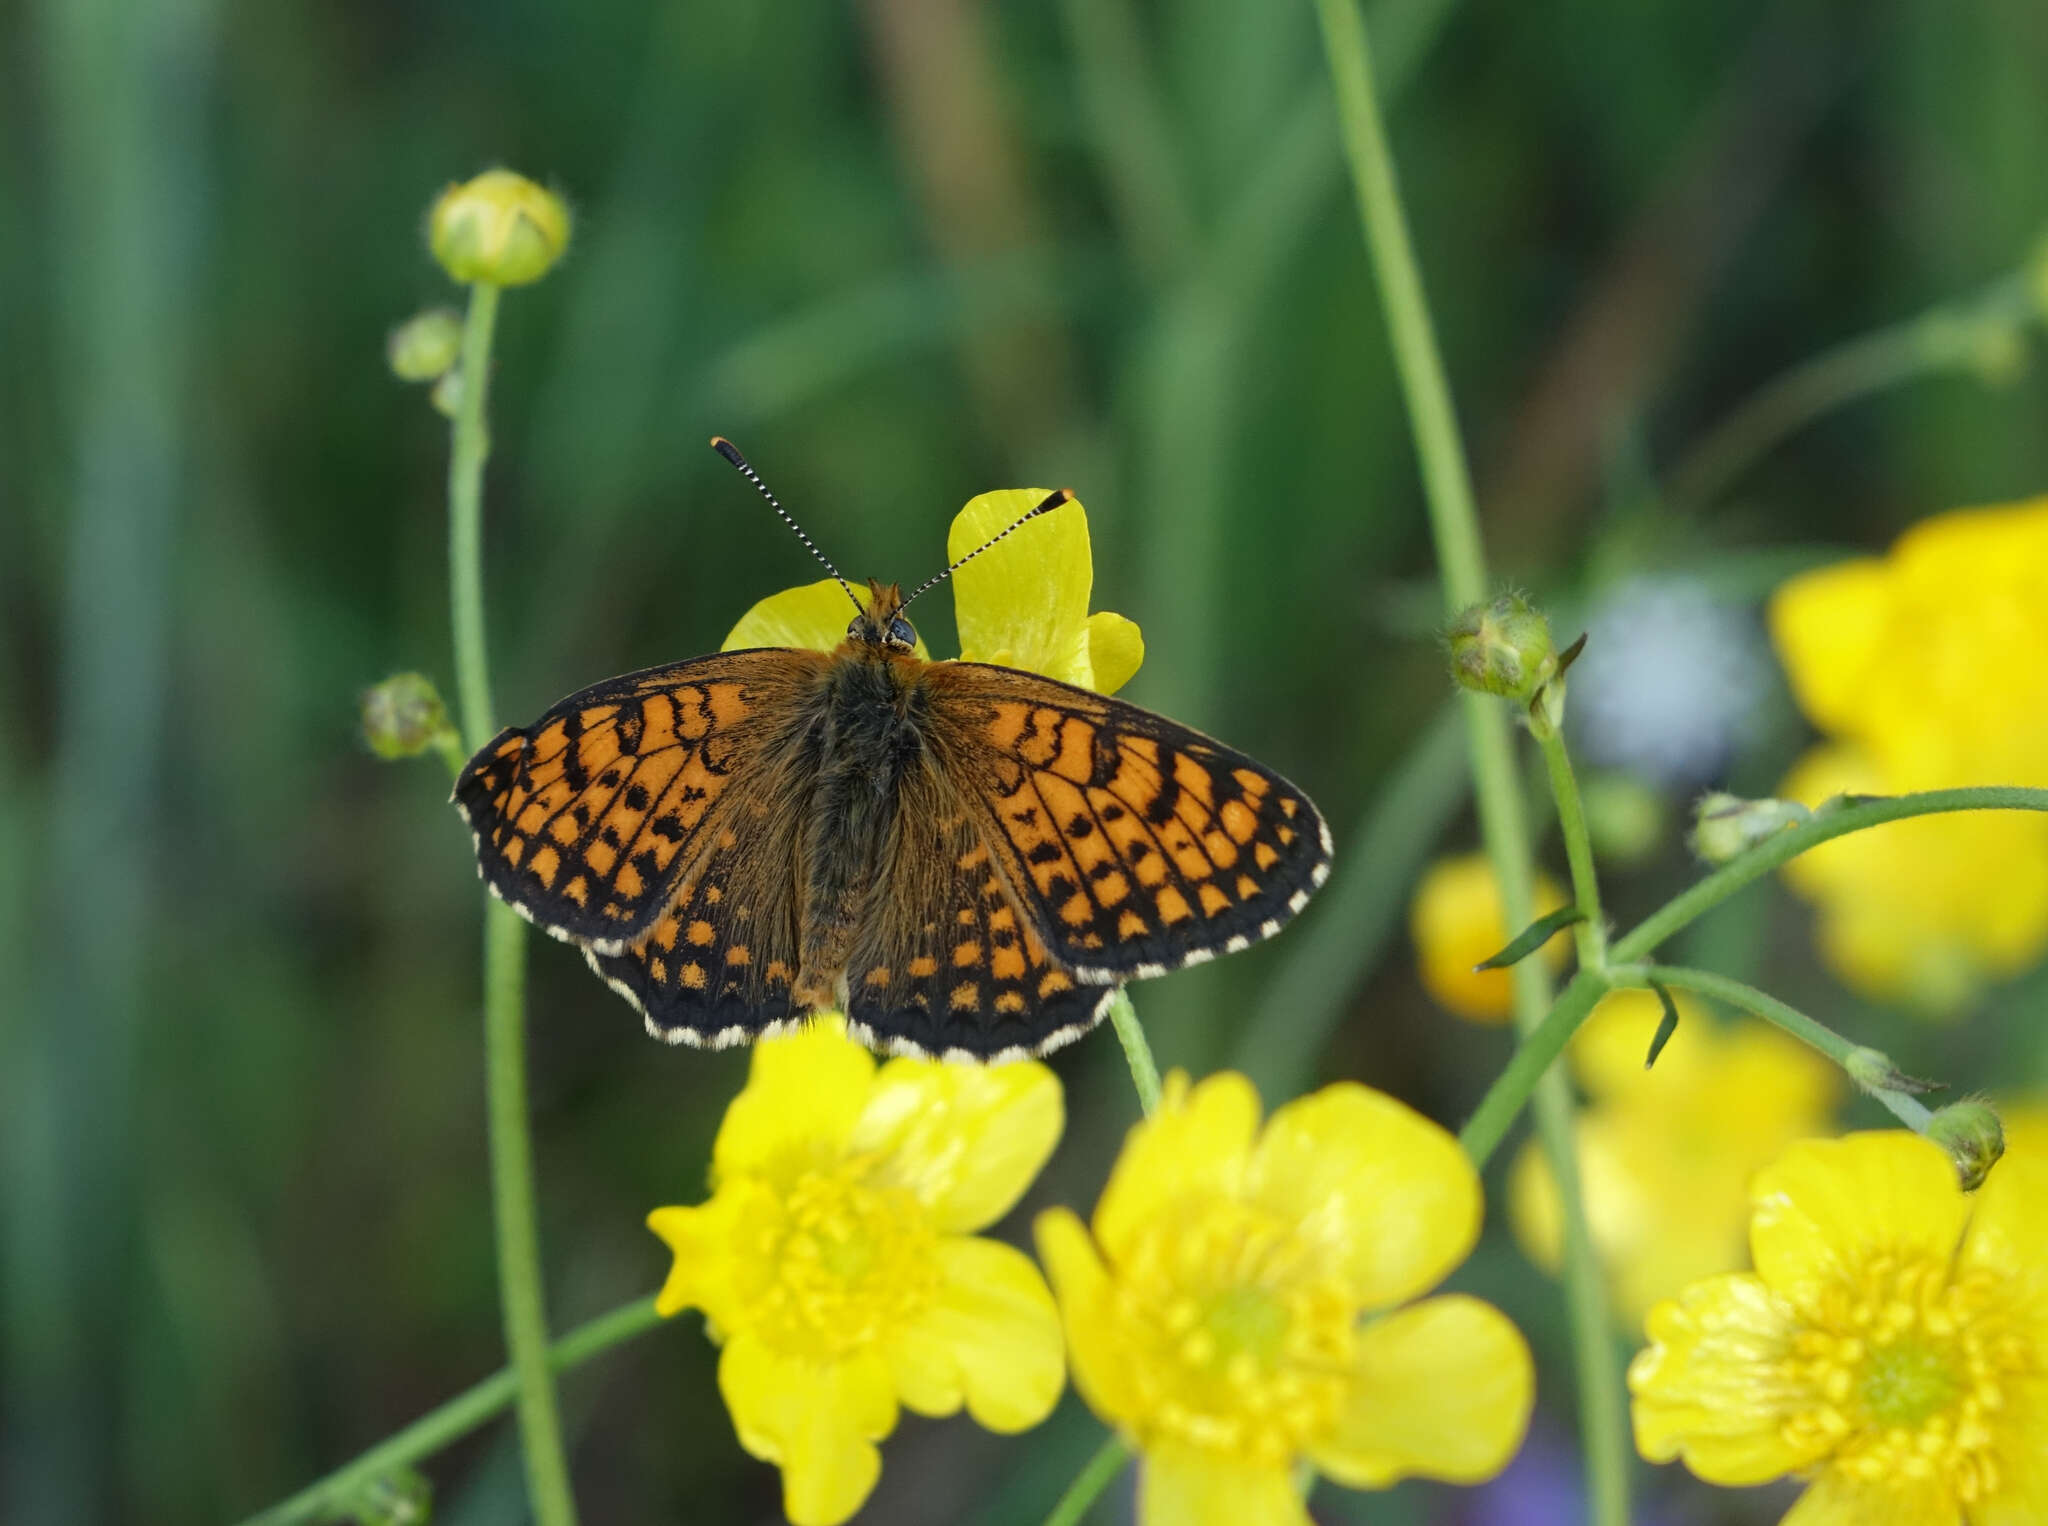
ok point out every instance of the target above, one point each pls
(967, 860)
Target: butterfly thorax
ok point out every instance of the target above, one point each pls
(871, 734)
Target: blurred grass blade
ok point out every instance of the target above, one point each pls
(1347, 928)
(1533, 937)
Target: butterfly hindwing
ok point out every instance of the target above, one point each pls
(950, 966)
(1137, 844)
(586, 821)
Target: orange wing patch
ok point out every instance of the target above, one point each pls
(1137, 845)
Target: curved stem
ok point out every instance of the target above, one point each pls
(1833, 819)
(457, 1418)
(519, 1276)
(1747, 998)
(1944, 338)
(1461, 562)
(1137, 1050)
(1088, 1485)
(1591, 934)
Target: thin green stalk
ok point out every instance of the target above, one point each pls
(1088, 1485)
(1950, 337)
(1454, 523)
(511, 1144)
(1747, 998)
(1539, 1048)
(452, 1421)
(1591, 934)
(1833, 819)
(1137, 1050)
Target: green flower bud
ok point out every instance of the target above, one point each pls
(403, 717)
(447, 394)
(426, 345)
(1973, 1137)
(1502, 648)
(1726, 825)
(499, 228)
(1624, 816)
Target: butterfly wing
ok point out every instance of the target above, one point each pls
(1137, 845)
(948, 965)
(586, 821)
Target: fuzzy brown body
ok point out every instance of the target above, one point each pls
(965, 859)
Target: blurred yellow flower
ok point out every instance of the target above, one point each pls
(1456, 921)
(1214, 1314)
(1928, 668)
(1666, 1155)
(1891, 1346)
(1022, 603)
(836, 1261)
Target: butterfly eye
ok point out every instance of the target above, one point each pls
(901, 635)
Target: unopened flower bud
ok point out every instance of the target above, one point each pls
(499, 228)
(1502, 648)
(1725, 825)
(1973, 1137)
(403, 717)
(447, 394)
(426, 345)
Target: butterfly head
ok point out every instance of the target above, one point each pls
(881, 624)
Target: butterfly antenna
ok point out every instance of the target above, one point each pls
(1050, 502)
(731, 453)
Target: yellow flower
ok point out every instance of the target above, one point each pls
(1929, 669)
(1022, 603)
(1456, 921)
(1214, 1315)
(1666, 1155)
(837, 1265)
(1891, 1346)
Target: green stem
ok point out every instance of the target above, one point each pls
(1461, 561)
(511, 1144)
(1088, 1485)
(1539, 1048)
(1945, 338)
(1137, 1051)
(1747, 998)
(1833, 819)
(457, 1418)
(1591, 934)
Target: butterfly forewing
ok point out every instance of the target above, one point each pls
(587, 820)
(1137, 845)
(950, 964)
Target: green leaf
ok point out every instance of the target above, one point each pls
(1533, 937)
(1665, 1028)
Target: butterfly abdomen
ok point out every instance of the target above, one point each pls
(872, 735)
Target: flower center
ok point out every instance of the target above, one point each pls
(839, 1262)
(1247, 1338)
(1905, 1371)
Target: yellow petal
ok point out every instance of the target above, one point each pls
(803, 1095)
(1830, 626)
(1115, 650)
(1440, 1390)
(1024, 601)
(2022, 1497)
(814, 615)
(1456, 921)
(992, 1339)
(1197, 1143)
(705, 1241)
(1710, 1387)
(2008, 1235)
(818, 1420)
(1188, 1486)
(965, 1139)
(1097, 1351)
(1826, 1204)
(1389, 1192)
(1836, 1499)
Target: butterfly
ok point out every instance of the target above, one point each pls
(967, 860)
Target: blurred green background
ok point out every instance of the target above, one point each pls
(901, 251)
